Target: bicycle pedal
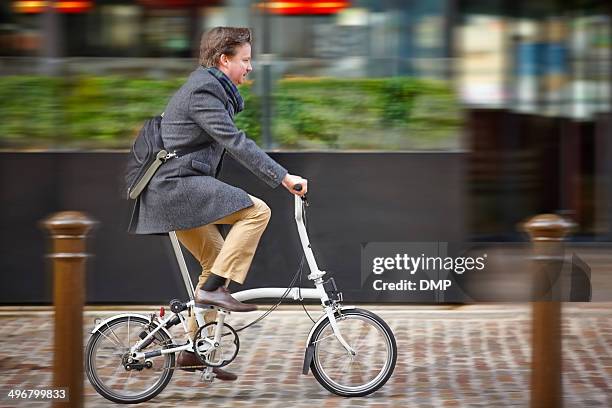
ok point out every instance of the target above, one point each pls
(208, 376)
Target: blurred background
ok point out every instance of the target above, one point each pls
(438, 121)
(523, 86)
(490, 111)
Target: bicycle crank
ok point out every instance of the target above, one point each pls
(216, 346)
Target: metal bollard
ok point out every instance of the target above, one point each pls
(68, 231)
(547, 232)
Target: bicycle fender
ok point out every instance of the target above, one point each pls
(106, 321)
(308, 358)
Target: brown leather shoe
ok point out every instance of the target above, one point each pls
(224, 375)
(186, 361)
(221, 297)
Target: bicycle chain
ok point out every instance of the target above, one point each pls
(186, 367)
(170, 343)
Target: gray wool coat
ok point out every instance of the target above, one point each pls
(185, 192)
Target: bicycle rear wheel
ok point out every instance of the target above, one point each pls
(361, 374)
(105, 364)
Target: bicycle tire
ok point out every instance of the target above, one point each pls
(323, 374)
(98, 383)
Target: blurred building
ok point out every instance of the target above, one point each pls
(534, 77)
(349, 38)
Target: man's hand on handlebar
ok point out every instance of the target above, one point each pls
(290, 181)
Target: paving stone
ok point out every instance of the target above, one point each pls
(454, 358)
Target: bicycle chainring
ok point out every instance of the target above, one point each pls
(216, 354)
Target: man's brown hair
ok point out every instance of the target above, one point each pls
(222, 40)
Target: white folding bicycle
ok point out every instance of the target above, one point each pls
(130, 358)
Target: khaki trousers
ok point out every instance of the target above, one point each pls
(230, 258)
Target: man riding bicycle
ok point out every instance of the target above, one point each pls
(185, 194)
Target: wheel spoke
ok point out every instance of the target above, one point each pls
(115, 342)
(323, 338)
(350, 375)
(360, 341)
(341, 352)
(116, 368)
(357, 372)
(345, 367)
(113, 332)
(126, 383)
(110, 378)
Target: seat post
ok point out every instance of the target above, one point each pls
(182, 264)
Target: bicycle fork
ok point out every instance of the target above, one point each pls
(332, 320)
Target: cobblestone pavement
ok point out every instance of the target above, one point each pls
(469, 356)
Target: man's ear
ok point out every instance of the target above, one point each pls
(223, 60)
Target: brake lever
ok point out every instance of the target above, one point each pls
(298, 187)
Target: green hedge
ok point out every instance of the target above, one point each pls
(321, 113)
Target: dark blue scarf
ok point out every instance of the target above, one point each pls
(231, 90)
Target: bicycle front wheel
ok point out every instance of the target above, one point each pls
(366, 371)
(105, 362)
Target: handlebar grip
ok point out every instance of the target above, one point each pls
(297, 187)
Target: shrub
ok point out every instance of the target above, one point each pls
(308, 113)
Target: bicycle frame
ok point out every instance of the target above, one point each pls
(319, 292)
(315, 275)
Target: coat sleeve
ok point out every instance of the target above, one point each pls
(208, 110)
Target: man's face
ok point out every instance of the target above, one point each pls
(238, 66)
